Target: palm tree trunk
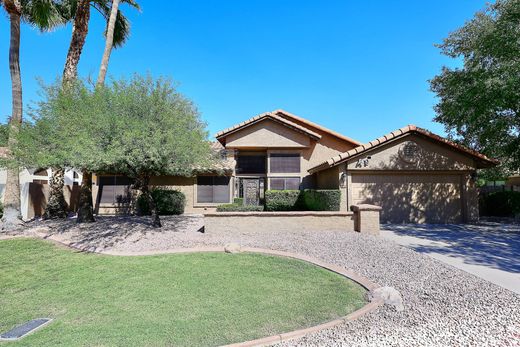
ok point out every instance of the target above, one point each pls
(56, 205)
(109, 43)
(70, 73)
(79, 35)
(12, 216)
(85, 209)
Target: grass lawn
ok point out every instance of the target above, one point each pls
(179, 299)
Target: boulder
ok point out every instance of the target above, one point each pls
(389, 295)
(232, 248)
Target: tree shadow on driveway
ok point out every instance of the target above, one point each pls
(490, 244)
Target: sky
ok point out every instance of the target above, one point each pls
(360, 68)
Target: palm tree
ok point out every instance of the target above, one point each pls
(44, 15)
(79, 12)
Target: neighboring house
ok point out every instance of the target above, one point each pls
(414, 175)
(34, 189)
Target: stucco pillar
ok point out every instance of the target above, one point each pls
(366, 218)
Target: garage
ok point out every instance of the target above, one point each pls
(413, 174)
(411, 198)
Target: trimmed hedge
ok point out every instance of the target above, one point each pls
(322, 200)
(302, 200)
(168, 202)
(239, 208)
(500, 204)
(284, 200)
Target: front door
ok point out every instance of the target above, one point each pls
(251, 191)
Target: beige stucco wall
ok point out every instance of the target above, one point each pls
(279, 222)
(265, 134)
(432, 156)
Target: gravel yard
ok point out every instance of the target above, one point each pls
(444, 306)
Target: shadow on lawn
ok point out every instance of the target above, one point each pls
(108, 231)
(492, 244)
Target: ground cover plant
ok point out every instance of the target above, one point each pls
(185, 299)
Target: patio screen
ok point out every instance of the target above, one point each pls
(284, 183)
(212, 189)
(284, 163)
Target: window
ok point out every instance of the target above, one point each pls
(114, 190)
(251, 163)
(285, 183)
(212, 189)
(284, 163)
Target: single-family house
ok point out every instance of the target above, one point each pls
(414, 175)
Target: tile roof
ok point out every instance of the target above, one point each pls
(341, 158)
(317, 126)
(264, 116)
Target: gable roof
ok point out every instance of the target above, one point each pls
(265, 116)
(482, 160)
(316, 126)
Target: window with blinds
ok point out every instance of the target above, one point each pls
(284, 183)
(212, 189)
(114, 190)
(284, 162)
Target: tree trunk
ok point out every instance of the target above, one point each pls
(144, 185)
(85, 209)
(79, 34)
(109, 43)
(56, 205)
(12, 216)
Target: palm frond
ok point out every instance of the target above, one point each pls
(43, 14)
(122, 25)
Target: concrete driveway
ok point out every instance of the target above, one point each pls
(488, 250)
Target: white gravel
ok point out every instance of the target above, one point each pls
(444, 306)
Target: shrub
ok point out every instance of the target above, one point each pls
(238, 201)
(500, 204)
(283, 200)
(168, 202)
(238, 208)
(322, 200)
(302, 200)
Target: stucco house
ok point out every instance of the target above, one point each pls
(414, 175)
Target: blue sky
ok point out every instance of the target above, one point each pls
(358, 67)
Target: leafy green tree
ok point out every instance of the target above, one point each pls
(479, 103)
(118, 30)
(142, 127)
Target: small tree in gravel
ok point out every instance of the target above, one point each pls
(140, 127)
(159, 132)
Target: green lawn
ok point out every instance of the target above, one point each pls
(182, 299)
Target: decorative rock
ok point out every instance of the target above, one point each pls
(389, 295)
(232, 248)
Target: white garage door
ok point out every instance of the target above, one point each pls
(419, 198)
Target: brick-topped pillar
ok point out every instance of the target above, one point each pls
(366, 218)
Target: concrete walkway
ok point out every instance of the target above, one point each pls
(488, 250)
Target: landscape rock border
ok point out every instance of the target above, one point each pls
(273, 339)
